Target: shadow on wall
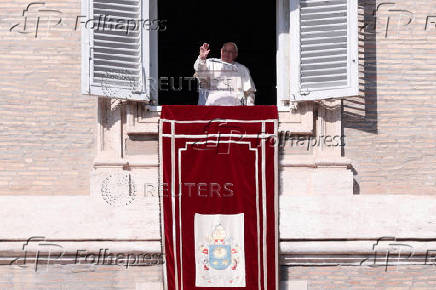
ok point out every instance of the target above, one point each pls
(361, 112)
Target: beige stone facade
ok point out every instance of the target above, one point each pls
(58, 146)
(48, 128)
(390, 128)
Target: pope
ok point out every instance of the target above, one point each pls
(223, 82)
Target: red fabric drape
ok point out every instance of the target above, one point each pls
(218, 164)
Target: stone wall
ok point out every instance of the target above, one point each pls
(390, 128)
(48, 143)
(47, 134)
(47, 128)
(150, 277)
(350, 277)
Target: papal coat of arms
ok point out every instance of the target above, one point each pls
(219, 253)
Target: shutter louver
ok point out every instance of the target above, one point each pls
(116, 49)
(116, 52)
(324, 49)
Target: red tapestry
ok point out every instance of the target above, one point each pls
(218, 175)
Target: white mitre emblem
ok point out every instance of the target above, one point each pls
(219, 251)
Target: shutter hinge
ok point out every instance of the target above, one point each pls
(304, 92)
(90, 69)
(141, 90)
(291, 105)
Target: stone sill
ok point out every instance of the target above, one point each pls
(146, 161)
(302, 253)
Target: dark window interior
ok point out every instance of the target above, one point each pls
(251, 25)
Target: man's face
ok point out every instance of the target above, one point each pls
(228, 53)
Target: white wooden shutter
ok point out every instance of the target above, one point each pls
(115, 63)
(323, 49)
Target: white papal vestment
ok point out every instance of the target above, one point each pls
(223, 83)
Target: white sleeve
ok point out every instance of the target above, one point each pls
(200, 64)
(248, 87)
(250, 99)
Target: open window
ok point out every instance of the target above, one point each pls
(155, 66)
(191, 23)
(296, 50)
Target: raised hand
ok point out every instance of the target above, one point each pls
(204, 51)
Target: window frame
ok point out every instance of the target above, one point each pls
(287, 68)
